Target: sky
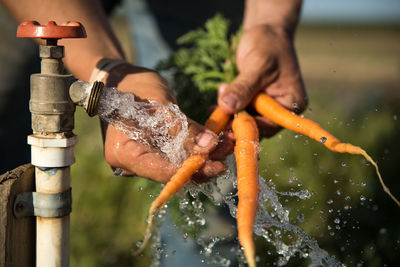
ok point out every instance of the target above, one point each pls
(351, 11)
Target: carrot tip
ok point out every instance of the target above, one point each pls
(147, 234)
(385, 188)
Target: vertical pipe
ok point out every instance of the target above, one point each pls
(52, 234)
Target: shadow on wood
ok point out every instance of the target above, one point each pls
(17, 236)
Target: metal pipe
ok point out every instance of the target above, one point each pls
(52, 234)
(86, 95)
(52, 140)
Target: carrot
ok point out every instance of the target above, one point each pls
(217, 120)
(246, 134)
(269, 108)
(184, 173)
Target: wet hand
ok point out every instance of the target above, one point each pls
(142, 160)
(267, 63)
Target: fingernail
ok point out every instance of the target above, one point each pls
(230, 100)
(204, 139)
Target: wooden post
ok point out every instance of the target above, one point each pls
(17, 236)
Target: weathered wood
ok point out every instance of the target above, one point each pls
(17, 236)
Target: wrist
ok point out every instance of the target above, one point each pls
(103, 68)
(282, 15)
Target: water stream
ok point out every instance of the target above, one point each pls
(272, 223)
(165, 128)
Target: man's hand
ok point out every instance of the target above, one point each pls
(267, 63)
(135, 158)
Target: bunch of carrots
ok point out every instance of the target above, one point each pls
(246, 142)
(246, 135)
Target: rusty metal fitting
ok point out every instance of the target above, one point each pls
(86, 95)
(49, 51)
(51, 107)
(94, 98)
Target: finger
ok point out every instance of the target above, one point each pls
(209, 170)
(266, 127)
(237, 95)
(224, 147)
(200, 140)
(133, 157)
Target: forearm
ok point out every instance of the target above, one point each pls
(279, 13)
(81, 55)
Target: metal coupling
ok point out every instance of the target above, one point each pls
(86, 95)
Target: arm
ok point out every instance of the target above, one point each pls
(266, 60)
(81, 58)
(279, 13)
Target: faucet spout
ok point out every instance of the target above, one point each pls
(86, 95)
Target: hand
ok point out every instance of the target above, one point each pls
(137, 159)
(267, 63)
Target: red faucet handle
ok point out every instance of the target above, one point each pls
(32, 29)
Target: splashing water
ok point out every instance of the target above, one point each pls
(272, 222)
(163, 127)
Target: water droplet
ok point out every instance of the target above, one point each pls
(335, 181)
(363, 184)
(298, 125)
(185, 236)
(323, 139)
(201, 221)
(395, 117)
(347, 198)
(343, 164)
(338, 192)
(294, 105)
(330, 201)
(337, 221)
(118, 172)
(362, 198)
(300, 217)
(281, 158)
(293, 179)
(140, 188)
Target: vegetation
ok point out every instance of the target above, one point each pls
(358, 103)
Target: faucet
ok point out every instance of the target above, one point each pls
(54, 95)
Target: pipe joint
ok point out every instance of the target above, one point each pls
(86, 95)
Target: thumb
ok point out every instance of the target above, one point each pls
(237, 95)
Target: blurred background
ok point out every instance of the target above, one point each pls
(349, 52)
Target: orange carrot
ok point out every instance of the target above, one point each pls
(217, 120)
(246, 135)
(184, 173)
(269, 108)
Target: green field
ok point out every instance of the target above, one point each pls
(352, 76)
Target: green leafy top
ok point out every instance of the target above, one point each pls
(206, 58)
